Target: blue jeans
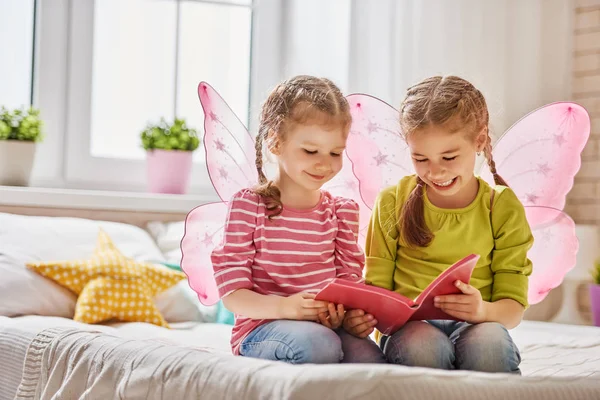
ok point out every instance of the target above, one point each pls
(299, 342)
(448, 344)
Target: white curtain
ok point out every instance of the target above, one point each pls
(516, 52)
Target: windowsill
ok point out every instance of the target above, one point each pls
(100, 199)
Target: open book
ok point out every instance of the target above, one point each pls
(391, 309)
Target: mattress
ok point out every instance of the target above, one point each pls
(553, 356)
(551, 349)
(17, 333)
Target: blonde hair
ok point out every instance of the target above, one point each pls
(450, 101)
(298, 100)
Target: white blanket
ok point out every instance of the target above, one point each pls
(68, 363)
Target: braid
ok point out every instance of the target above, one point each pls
(487, 151)
(414, 229)
(265, 188)
(262, 179)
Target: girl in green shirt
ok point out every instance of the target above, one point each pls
(428, 221)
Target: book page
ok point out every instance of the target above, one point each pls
(445, 283)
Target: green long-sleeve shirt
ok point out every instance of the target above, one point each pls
(502, 241)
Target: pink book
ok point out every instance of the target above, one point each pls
(391, 309)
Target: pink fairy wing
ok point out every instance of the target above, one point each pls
(379, 154)
(230, 153)
(203, 232)
(538, 158)
(554, 250)
(230, 161)
(346, 184)
(539, 155)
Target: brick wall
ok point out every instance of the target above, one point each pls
(583, 203)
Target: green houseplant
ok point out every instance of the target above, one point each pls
(169, 149)
(595, 293)
(20, 130)
(166, 136)
(596, 272)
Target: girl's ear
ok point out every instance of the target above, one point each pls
(273, 142)
(481, 139)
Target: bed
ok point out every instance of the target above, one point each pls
(44, 354)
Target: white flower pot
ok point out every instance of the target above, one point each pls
(16, 161)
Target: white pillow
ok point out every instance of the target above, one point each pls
(168, 238)
(40, 239)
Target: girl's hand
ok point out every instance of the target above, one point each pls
(334, 317)
(301, 306)
(468, 306)
(359, 324)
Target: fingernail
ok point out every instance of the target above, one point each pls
(369, 317)
(436, 299)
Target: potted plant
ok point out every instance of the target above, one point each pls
(20, 130)
(595, 294)
(169, 149)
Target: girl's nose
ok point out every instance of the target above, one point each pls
(436, 171)
(322, 166)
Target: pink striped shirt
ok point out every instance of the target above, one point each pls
(296, 251)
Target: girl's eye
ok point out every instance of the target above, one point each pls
(420, 160)
(336, 154)
(450, 158)
(310, 152)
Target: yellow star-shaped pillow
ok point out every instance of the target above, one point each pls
(110, 285)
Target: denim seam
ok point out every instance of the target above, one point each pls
(254, 344)
(397, 352)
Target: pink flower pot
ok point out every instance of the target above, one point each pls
(168, 171)
(595, 303)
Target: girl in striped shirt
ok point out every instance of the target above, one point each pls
(285, 239)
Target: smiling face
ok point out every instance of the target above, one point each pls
(445, 161)
(310, 156)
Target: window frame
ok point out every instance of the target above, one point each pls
(76, 166)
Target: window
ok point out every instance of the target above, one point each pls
(148, 58)
(109, 67)
(16, 42)
(132, 63)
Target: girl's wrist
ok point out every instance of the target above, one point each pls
(488, 312)
(280, 308)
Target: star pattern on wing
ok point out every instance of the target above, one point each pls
(546, 236)
(380, 159)
(372, 127)
(352, 185)
(220, 145)
(208, 240)
(532, 198)
(223, 173)
(213, 116)
(559, 139)
(544, 169)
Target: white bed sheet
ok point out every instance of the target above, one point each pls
(551, 349)
(17, 333)
(547, 349)
(193, 334)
